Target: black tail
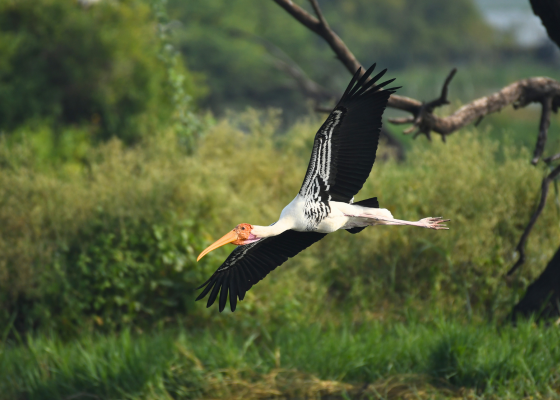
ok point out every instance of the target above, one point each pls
(371, 203)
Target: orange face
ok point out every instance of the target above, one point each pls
(240, 235)
(243, 232)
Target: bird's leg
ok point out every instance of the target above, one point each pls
(430, 222)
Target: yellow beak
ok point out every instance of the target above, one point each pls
(227, 238)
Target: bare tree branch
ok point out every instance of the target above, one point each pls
(315, 25)
(319, 14)
(401, 120)
(339, 47)
(442, 99)
(552, 158)
(427, 109)
(518, 94)
(544, 192)
(543, 129)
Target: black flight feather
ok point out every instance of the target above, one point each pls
(233, 285)
(371, 82)
(345, 145)
(206, 289)
(215, 290)
(248, 264)
(224, 291)
(352, 81)
(362, 80)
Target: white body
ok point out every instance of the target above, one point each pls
(342, 216)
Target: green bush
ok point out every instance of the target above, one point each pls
(98, 66)
(101, 247)
(119, 273)
(112, 241)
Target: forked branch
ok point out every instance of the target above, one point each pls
(425, 111)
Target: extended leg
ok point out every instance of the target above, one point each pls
(430, 222)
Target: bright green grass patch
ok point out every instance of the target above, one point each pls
(435, 359)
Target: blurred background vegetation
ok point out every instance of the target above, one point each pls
(237, 49)
(134, 132)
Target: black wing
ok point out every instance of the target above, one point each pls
(344, 148)
(248, 264)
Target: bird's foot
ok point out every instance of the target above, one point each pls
(434, 223)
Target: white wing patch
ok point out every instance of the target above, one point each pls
(315, 188)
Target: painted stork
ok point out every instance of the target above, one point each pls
(341, 160)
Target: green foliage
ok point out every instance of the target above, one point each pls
(187, 125)
(122, 273)
(97, 66)
(237, 44)
(440, 359)
(102, 247)
(110, 240)
(424, 32)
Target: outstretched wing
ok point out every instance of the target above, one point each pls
(250, 263)
(344, 148)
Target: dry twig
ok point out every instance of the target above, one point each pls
(425, 110)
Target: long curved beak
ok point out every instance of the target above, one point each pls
(229, 237)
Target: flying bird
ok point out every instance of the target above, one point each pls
(341, 160)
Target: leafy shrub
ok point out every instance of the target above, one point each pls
(113, 243)
(98, 65)
(121, 273)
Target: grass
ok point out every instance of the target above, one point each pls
(438, 358)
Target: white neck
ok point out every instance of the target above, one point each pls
(273, 230)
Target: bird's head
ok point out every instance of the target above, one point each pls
(241, 234)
